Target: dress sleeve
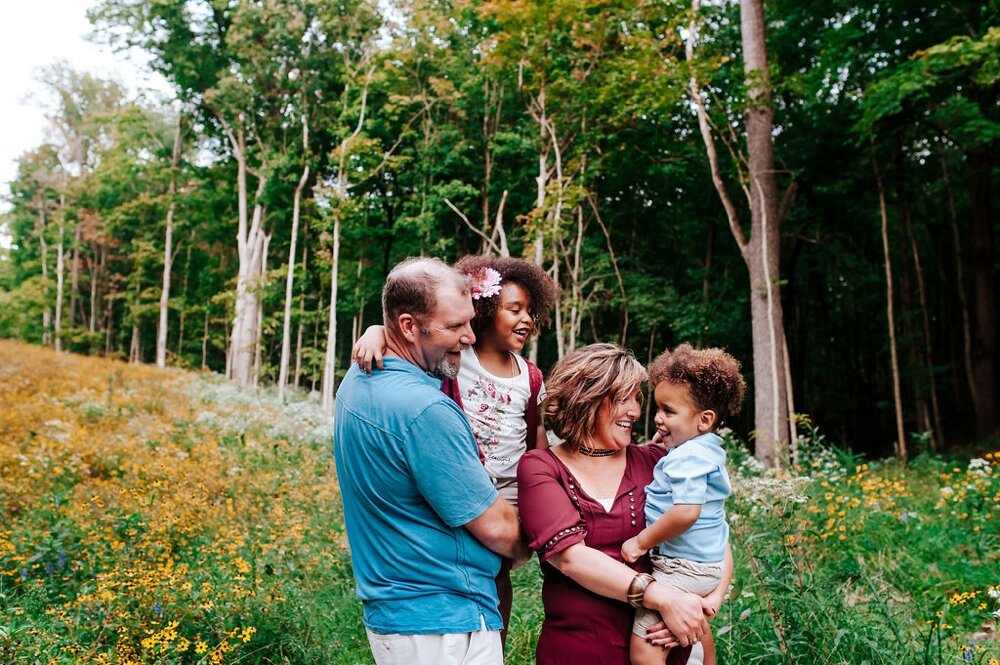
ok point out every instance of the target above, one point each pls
(687, 475)
(442, 455)
(550, 519)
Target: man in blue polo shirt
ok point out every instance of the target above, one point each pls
(424, 522)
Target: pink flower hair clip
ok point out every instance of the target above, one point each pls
(485, 284)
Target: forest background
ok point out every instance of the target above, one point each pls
(624, 146)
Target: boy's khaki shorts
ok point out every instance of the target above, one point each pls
(691, 576)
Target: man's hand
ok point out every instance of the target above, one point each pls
(523, 554)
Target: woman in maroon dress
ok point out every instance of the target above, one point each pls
(580, 501)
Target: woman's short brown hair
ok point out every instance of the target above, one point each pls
(579, 384)
(712, 376)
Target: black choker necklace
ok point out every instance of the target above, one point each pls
(597, 452)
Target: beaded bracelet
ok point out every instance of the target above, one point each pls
(637, 589)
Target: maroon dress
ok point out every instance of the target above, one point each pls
(582, 627)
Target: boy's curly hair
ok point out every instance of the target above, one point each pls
(540, 287)
(712, 375)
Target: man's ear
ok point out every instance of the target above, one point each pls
(707, 420)
(408, 327)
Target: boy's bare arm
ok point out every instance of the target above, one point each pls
(673, 523)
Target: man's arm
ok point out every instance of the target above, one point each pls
(499, 529)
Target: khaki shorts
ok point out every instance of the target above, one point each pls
(691, 576)
(481, 647)
(507, 488)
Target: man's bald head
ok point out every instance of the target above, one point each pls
(412, 288)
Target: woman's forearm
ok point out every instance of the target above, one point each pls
(594, 571)
(597, 572)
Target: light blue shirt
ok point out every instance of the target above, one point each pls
(410, 477)
(693, 473)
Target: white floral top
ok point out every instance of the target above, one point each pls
(495, 407)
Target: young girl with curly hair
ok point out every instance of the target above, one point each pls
(498, 390)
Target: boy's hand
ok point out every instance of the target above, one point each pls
(631, 551)
(713, 601)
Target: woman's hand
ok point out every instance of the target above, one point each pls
(631, 550)
(659, 635)
(368, 350)
(682, 612)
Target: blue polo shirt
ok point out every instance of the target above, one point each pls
(693, 473)
(410, 477)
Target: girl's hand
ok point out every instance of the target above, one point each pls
(368, 350)
(631, 551)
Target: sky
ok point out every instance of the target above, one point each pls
(35, 34)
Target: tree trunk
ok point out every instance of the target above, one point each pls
(204, 343)
(312, 386)
(109, 325)
(763, 250)
(135, 346)
(250, 243)
(184, 294)
(302, 316)
(40, 228)
(963, 301)
(536, 108)
(258, 320)
(97, 263)
(329, 365)
(60, 270)
(74, 276)
(286, 328)
(984, 344)
(890, 315)
(935, 411)
(168, 241)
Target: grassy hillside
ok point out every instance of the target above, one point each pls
(151, 516)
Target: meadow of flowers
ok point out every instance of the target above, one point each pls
(153, 516)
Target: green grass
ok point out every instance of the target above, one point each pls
(174, 519)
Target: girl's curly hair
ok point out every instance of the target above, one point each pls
(540, 287)
(712, 375)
